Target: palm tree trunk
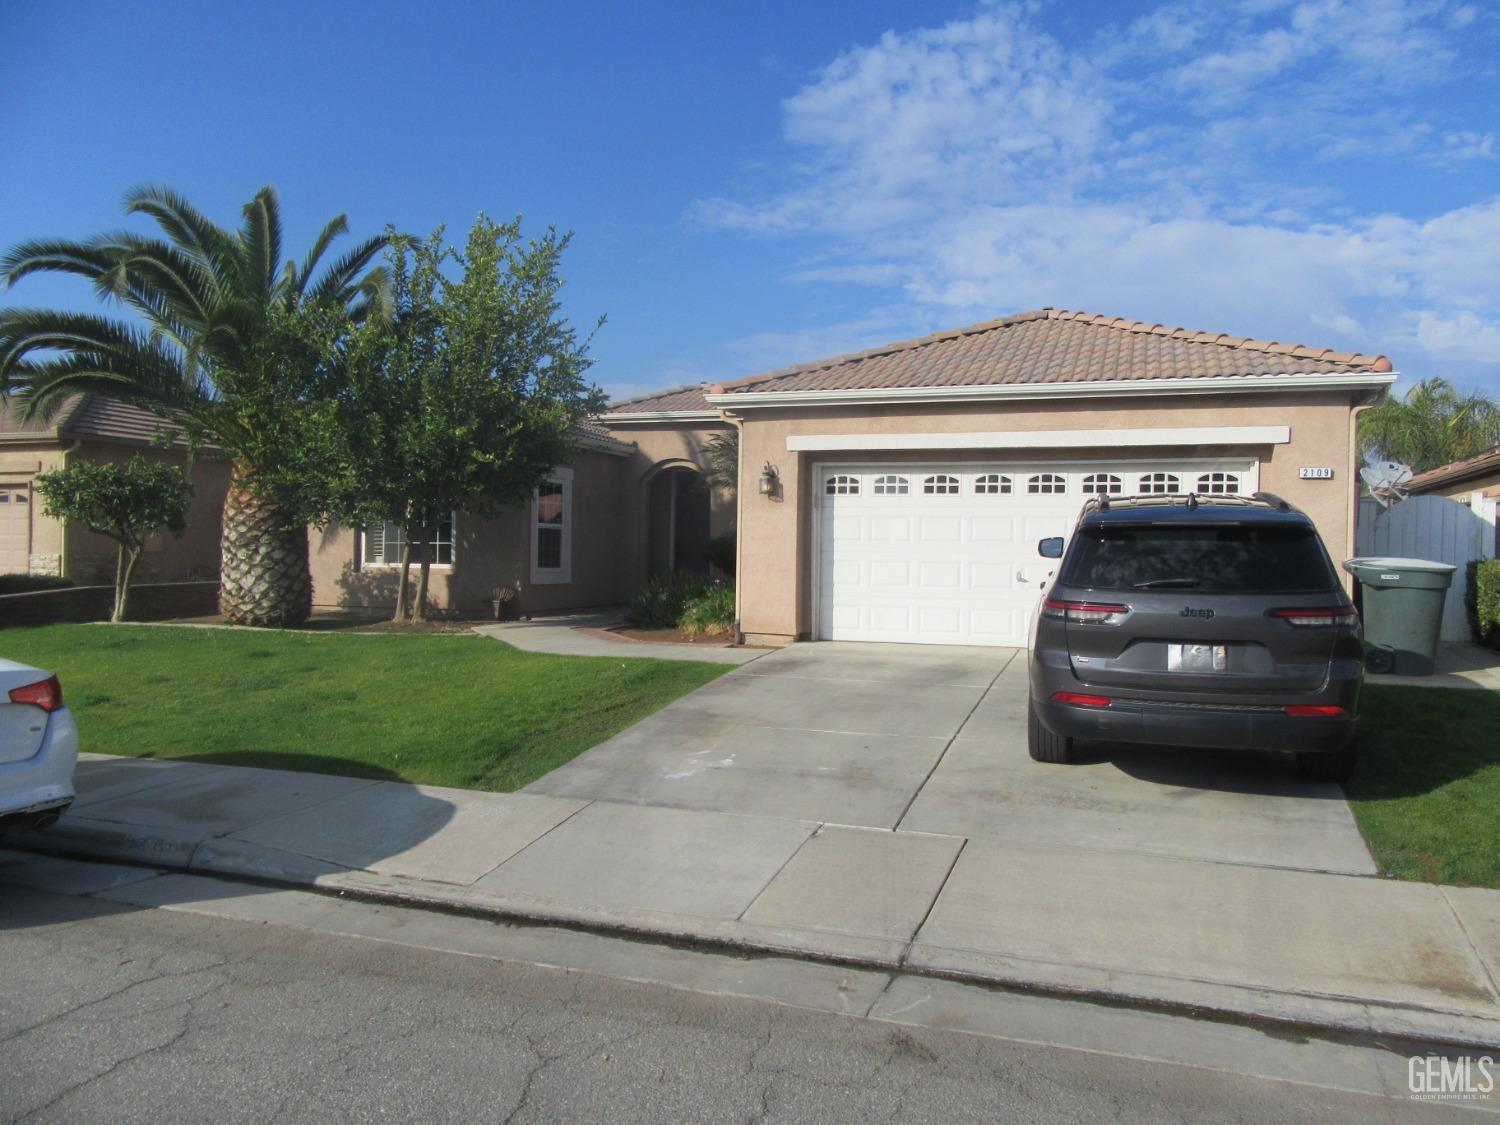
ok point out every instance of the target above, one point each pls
(265, 577)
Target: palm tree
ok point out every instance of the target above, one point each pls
(231, 347)
(1435, 423)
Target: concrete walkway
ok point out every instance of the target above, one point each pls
(586, 634)
(1459, 665)
(1337, 950)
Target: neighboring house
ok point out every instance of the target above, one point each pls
(898, 494)
(94, 428)
(1460, 480)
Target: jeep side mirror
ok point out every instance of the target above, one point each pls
(1050, 548)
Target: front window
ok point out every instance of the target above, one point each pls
(551, 529)
(383, 543)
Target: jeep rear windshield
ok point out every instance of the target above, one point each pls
(1226, 557)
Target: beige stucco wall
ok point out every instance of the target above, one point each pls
(776, 571)
(92, 557)
(492, 551)
(87, 557)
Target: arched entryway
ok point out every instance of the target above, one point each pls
(677, 511)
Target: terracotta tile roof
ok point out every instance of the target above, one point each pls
(598, 434)
(1478, 465)
(12, 426)
(87, 416)
(669, 401)
(1049, 346)
(107, 419)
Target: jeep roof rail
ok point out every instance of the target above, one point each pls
(1274, 500)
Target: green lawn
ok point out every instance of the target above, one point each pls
(1427, 790)
(456, 710)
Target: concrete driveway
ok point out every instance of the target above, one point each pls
(933, 740)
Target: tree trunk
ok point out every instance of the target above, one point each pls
(124, 573)
(403, 606)
(265, 578)
(419, 603)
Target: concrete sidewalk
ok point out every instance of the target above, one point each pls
(1346, 951)
(588, 634)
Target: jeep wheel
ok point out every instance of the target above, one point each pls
(1337, 766)
(1042, 743)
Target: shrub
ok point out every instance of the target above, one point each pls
(1482, 598)
(25, 583)
(712, 612)
(721, 553)
(663, 600)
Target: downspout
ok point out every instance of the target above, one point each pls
(1351, 529)
(739, 517)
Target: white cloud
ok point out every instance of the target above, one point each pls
(982, 166)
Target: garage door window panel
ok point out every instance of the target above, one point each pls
(1103, 484)
(1047, 484)
(1159, 484)
(891, 486)
(940, 485)
(1220, 483)
(842, 486)
(992, 484)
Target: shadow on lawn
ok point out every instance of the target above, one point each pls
(1418, 740)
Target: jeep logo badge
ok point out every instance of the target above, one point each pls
(1189, 611)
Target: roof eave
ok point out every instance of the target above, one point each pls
(1120, 388)
(627, 417)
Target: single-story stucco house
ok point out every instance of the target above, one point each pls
(897, 494)
(1461, 480)
(95, 428)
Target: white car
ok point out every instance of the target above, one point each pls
(38, 747)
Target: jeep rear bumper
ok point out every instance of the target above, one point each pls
(1206, 726)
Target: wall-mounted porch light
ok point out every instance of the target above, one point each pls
(768, 480)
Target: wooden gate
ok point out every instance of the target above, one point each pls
(1436, 528)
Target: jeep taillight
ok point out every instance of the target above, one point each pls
(1085, 613)
(1318, 616)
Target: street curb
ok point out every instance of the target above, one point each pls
(1278, 1012)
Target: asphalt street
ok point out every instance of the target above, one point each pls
(109, 1011)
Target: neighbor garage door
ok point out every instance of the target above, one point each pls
(946, 554)
(15, 529)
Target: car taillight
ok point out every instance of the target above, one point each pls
(1317, 615)
(1085, 613)
(46, 694)
(1078, 700)
(1314, 710)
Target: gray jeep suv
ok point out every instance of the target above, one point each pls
(1200, 621)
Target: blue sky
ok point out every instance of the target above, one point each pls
(754, 185)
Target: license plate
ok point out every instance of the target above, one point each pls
(1197, 658)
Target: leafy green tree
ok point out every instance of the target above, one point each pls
(129, 503)
(235, 346)
(465, 397)
(1433, 424)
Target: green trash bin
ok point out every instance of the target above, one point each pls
(1402, 611)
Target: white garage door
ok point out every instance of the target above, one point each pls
(946, 554)
(15, 529)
